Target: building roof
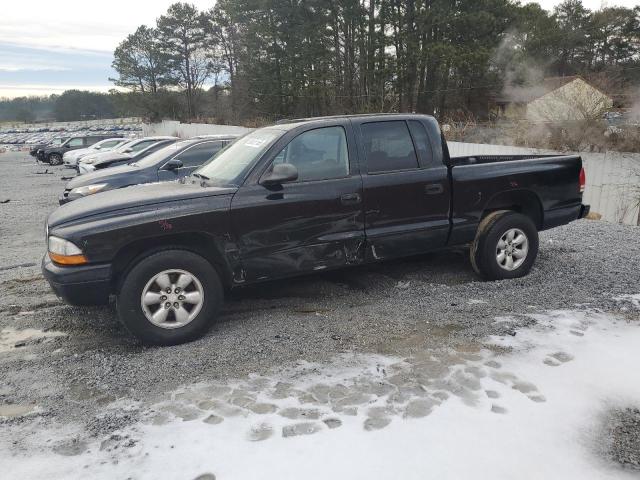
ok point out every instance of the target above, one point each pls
(553, 83)
(527, 94)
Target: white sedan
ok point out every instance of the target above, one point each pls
(71, 158)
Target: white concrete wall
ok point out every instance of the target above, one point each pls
(187, 130)
(613, 178)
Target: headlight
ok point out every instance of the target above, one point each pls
(89, 160)
(88, 190)
(63, 252)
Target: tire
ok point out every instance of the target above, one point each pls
(506, 246)
(55, 159)
(171, 325)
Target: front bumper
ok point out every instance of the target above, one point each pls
(79, 285)
(85, 168)
(70, 162)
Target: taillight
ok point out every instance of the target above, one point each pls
(583, 180)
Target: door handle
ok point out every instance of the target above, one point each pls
(350, 199)
(433, 189)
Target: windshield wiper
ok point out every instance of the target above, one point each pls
(199, 175)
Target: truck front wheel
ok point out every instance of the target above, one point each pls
(506, 246)
(170, 297)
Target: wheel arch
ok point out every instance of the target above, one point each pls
(525, 202)
(201, 244)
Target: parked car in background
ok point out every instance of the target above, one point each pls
(56, 142)
(53, 154)
(293, 199)
(171, 162)
(71, 158)
(125, 153)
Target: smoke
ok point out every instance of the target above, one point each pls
(523, 78)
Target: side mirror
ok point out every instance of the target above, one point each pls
(128, 150)
(173, 164)
(98, 147)
(281, 173)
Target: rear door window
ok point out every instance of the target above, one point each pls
(422, 144)
(388, 147)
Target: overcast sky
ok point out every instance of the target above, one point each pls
(48, 46)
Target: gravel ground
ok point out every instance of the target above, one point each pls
(397, 308)
(623, 427)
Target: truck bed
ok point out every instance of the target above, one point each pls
(548, 185)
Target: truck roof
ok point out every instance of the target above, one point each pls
(369, 116)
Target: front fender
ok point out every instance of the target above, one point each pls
(101, 236)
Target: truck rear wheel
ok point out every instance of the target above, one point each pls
(506, 246)
(170, 297)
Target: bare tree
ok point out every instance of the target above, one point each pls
(182, 40)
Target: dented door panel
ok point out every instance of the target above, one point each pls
(298, 227)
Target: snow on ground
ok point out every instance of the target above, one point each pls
(528, 406)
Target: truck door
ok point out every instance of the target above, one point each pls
(406, 189)
(312, 223)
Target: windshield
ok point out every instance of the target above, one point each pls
(231, 164)
(107, 143)
(162, 155)
(124, 146)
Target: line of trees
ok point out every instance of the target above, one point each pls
(244, 59)
(71, 105)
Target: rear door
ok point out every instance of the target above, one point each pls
(406, 189)
(313, 223)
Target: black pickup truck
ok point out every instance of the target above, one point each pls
(56, 142)
(301, 197)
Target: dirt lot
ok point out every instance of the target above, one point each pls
(387, 369)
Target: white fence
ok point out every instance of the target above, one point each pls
(613, 178)
(187, 130)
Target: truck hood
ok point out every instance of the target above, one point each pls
(102, 176)
(140, 197)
